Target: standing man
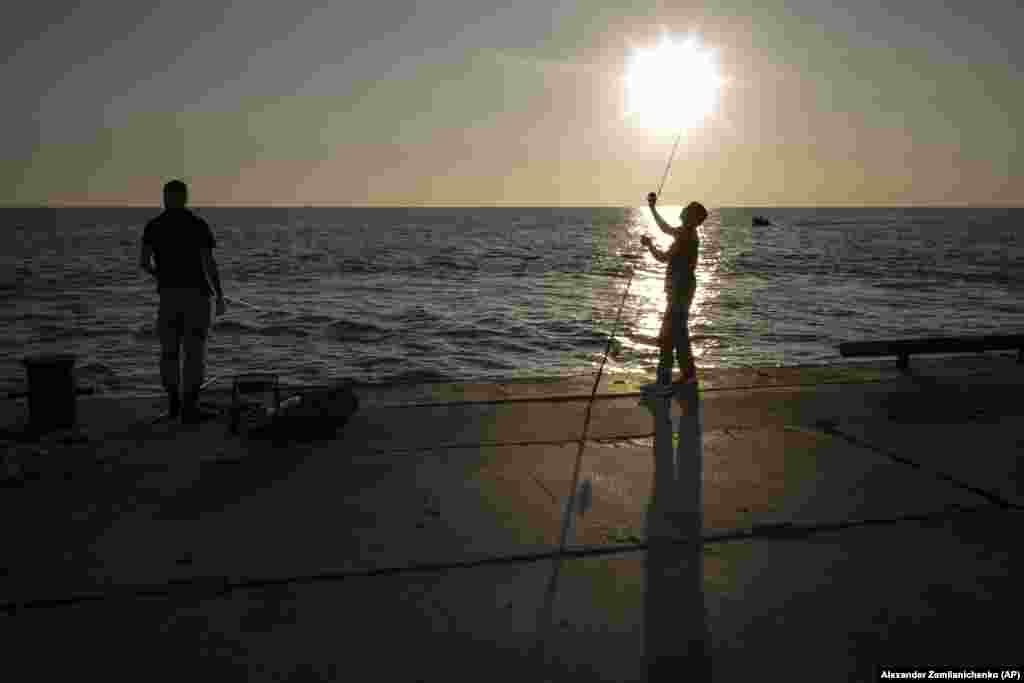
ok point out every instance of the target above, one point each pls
(181, 244)
(680, 287)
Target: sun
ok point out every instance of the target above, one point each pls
(673, 86)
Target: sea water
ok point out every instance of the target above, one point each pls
(481, 294)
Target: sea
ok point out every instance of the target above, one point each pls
(411, 295)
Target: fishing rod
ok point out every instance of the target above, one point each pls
(668, 165)
(552, 589)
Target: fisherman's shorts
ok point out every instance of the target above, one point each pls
(183, 324)
(675, 321)
(675, 333)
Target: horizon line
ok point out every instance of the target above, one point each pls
(158, 205)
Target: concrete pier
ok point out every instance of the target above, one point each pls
(811, 524)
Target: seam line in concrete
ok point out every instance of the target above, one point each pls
(540, 483)
(113, 461)
(496, 444)
(216, 586)
(938, 474)
(568, 398)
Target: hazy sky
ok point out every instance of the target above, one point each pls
(483, 102)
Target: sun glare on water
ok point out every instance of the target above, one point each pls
(672, 86)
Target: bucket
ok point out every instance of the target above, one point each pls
(51, 391)
(256, 396)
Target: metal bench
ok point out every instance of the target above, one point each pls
(904, 348)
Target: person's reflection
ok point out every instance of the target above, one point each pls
(676, 633)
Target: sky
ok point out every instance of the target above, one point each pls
(487, 102)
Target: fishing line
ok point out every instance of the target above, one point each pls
(260, 308)
(546, 616)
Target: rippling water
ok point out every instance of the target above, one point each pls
(479, 294)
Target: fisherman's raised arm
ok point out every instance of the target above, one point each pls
(652, 199)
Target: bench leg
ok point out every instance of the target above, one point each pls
(904, 361)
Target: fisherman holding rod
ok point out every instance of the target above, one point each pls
(680, 287)
(181, 243)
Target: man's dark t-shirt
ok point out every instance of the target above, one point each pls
(176, 236)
